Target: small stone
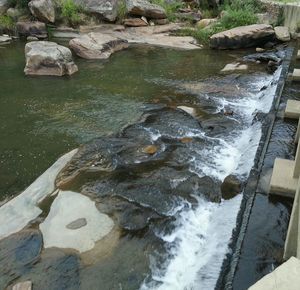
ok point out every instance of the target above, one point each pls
(27, 285)
(186, 139)
(160, 21)
(77, 224)
(188, 110)
(151, 149)
(259, 49)
(206, 22)
(32, 38)
(134, 22)
(282, 33)
(230, 187)
(234, 67)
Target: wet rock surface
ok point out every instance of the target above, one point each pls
(231, 186)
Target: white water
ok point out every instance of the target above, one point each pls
(199, 243)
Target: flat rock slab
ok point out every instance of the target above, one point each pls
(22, 209)
(282, 181)
(27, 285)
(48, 58)
(292, 109)
(286, 276)
(242, 37)
(97, 45)
(296, 75)
(67, 208)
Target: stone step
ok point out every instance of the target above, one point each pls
(292, 109)
(296, 75)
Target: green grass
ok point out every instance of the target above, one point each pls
(122, 10)
(170, 8)
(71, 12)
(6, 23)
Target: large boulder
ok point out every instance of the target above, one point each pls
(35, 28)
(48, 58)
(145, 8)
(105, 9)
(282, 33)
(242, 37)
(43, 10)
(97, 45)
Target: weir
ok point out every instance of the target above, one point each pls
(285, 181)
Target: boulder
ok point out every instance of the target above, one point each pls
(14, 13)
(36, 29)
(134, 22)
(43, 10)
(3, 6)
(97, 45)
(231, 186)
(206, 22)
(105, 9)
(145, 8)
(5, 39)
(48, 58)
(242, 37)
(282, 33)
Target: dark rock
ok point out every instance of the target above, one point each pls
(243, 37)
(231, 186)
(18, 253)
(79, 223)
(36, 29)
(145, 8)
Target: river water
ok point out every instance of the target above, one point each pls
(42, 118)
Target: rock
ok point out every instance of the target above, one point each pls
(189, 16)
(242, 37)
(188, 110)
(274, 56)
(259, 49)
(43, 10)
(18, 253)
(13, 13)
(282, 33)
(27, 285)
(77, 224)
(22, 209)
(67, 208)
(186, 139)
(105, 9)
(36, 29)
(97, 45)
(4, 4)
(206, 22)
(134, 22)
(145, 8)
(5, 39)
(48, 58)
(32, 38)
(160, 21)
(230, 187)
(151, 149)
(231, 67)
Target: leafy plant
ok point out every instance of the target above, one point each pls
(71, 12)
(6, 23)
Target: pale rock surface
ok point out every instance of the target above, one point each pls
(22, 209)
(285, 277)
(97, 45)
(282, 33)
(48, 58)
(27, 285)
(5, 39)
(67, 208)
(43, 10)
(230, 67)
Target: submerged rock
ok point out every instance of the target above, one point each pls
(231, 186)
(18, 253)
(145, 8)
(231, 67)
(97, 45)
(43, 10)
(48, 58)
(242, 37)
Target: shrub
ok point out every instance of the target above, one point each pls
(6, 23)
(71, 12)
(122, 10)
(170, 8)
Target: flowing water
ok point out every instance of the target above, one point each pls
(44, 117)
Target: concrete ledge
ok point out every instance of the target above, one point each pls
(292, 109)
(296, 75)
(285, 277)
(282, 181)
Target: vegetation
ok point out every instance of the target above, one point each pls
(122, 11)
(6, 23)
(71, 12)
(170, 8)
(21, 4)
